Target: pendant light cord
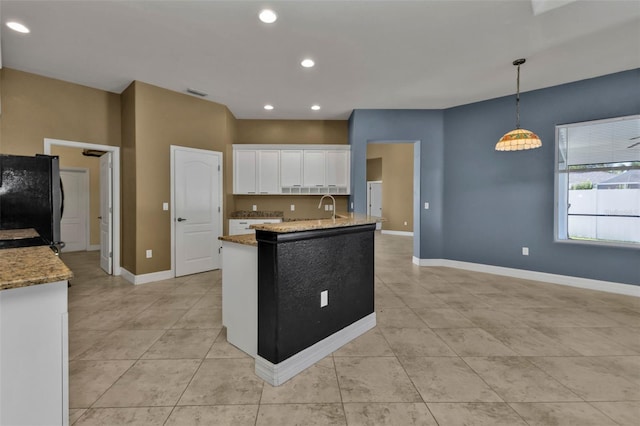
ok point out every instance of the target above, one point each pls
(518, 99)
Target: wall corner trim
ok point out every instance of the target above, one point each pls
(586, 283)
(277, 374)
(145, 278)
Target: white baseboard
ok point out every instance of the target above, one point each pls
(401, 233)
(145, 278)
(93, 247)
(586, 283)
(277, 374)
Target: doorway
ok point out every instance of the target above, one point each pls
(74, 224)
(196, 214)
(113, 195)
(374, 200)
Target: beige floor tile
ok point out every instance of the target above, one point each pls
(387, 299)
(201, 318)
(624, 413)
(591, 378)
(374, 379)
(101, 320)
(155, 319)
(209, 300)
(301, 415)
(462, 301)
(623, 316)
(224, 381)
(586, 342)
(176, 301)
(475, 414)
(122, 344)
(90, 379)
(316, 384)
(371, 343)
(150, 383)
(531, 342)
(559, 413)
(223, 349)
(516, 379)
(388, 414)
(628, 337)
(176, 344)
(448, 379)
(75, 414)
(473, 342)
(491, 318)
(207, 415)
(399, 318)
(145, 416)
(79, 342)
(443, 318)
(413, 342)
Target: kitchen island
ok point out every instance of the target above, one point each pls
(33, 336)
(298, 291)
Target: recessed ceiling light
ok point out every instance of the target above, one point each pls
(17, 26)
(268, 107)
(268, 16)
(307, 63)
(315, 107)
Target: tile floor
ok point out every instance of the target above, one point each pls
(451, 347)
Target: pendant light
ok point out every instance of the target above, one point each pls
(518, 139)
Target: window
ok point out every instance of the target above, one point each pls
(598, 182)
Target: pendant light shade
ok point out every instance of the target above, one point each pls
(518, 139)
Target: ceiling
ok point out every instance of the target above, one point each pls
(368, 54)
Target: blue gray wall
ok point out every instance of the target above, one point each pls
(425, 128)
(487, 205)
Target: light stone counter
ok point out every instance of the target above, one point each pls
(27, 266)
(341, 220)
(18, 234)
(246, 239)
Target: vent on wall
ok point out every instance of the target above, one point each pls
(197, 92)
(93, 153)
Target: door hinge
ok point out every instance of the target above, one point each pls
(218, 209)
(219, 250)
(218, 167)
(110, 254)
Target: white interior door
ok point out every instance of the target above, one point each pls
(106, 213)
(198, 210)
(374, 200)
(73, 225)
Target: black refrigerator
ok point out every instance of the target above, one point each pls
(31, 196)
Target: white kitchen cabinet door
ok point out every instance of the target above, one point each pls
(314, 168)
(268, 172)
(337, 171)
(245, 164)
(290, 168)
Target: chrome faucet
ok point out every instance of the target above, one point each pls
(333, 216)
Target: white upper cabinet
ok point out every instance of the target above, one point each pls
(245, 171)
(314, 168)
(291, 169)
(269, 172)
(337, 169)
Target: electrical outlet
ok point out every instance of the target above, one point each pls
(165, 206)
(330, 207)
(525, 251)
(149, 254)
(326, 207)
(324, 298)
(426, 206)
(254, 207)
(293, 207)
(405, 223)
(351, 206)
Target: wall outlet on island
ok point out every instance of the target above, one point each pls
(324, 298)
(254, 208)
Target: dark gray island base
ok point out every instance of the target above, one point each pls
(294, 268)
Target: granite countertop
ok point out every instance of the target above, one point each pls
(18, 234)
(261, 214)
(246, 239)
(27, 266)
(341, 220)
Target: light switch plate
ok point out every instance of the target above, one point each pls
(324, 298)
(254, 207)
(149, 254)
(426, 206)
(293, 207)
(165, 206)
(525, 251)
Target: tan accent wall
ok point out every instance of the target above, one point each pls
(128, 196)
(374, 169)
(292, 132)
(36, 107)
(397, 183)
(164, 118)
(72, 157)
